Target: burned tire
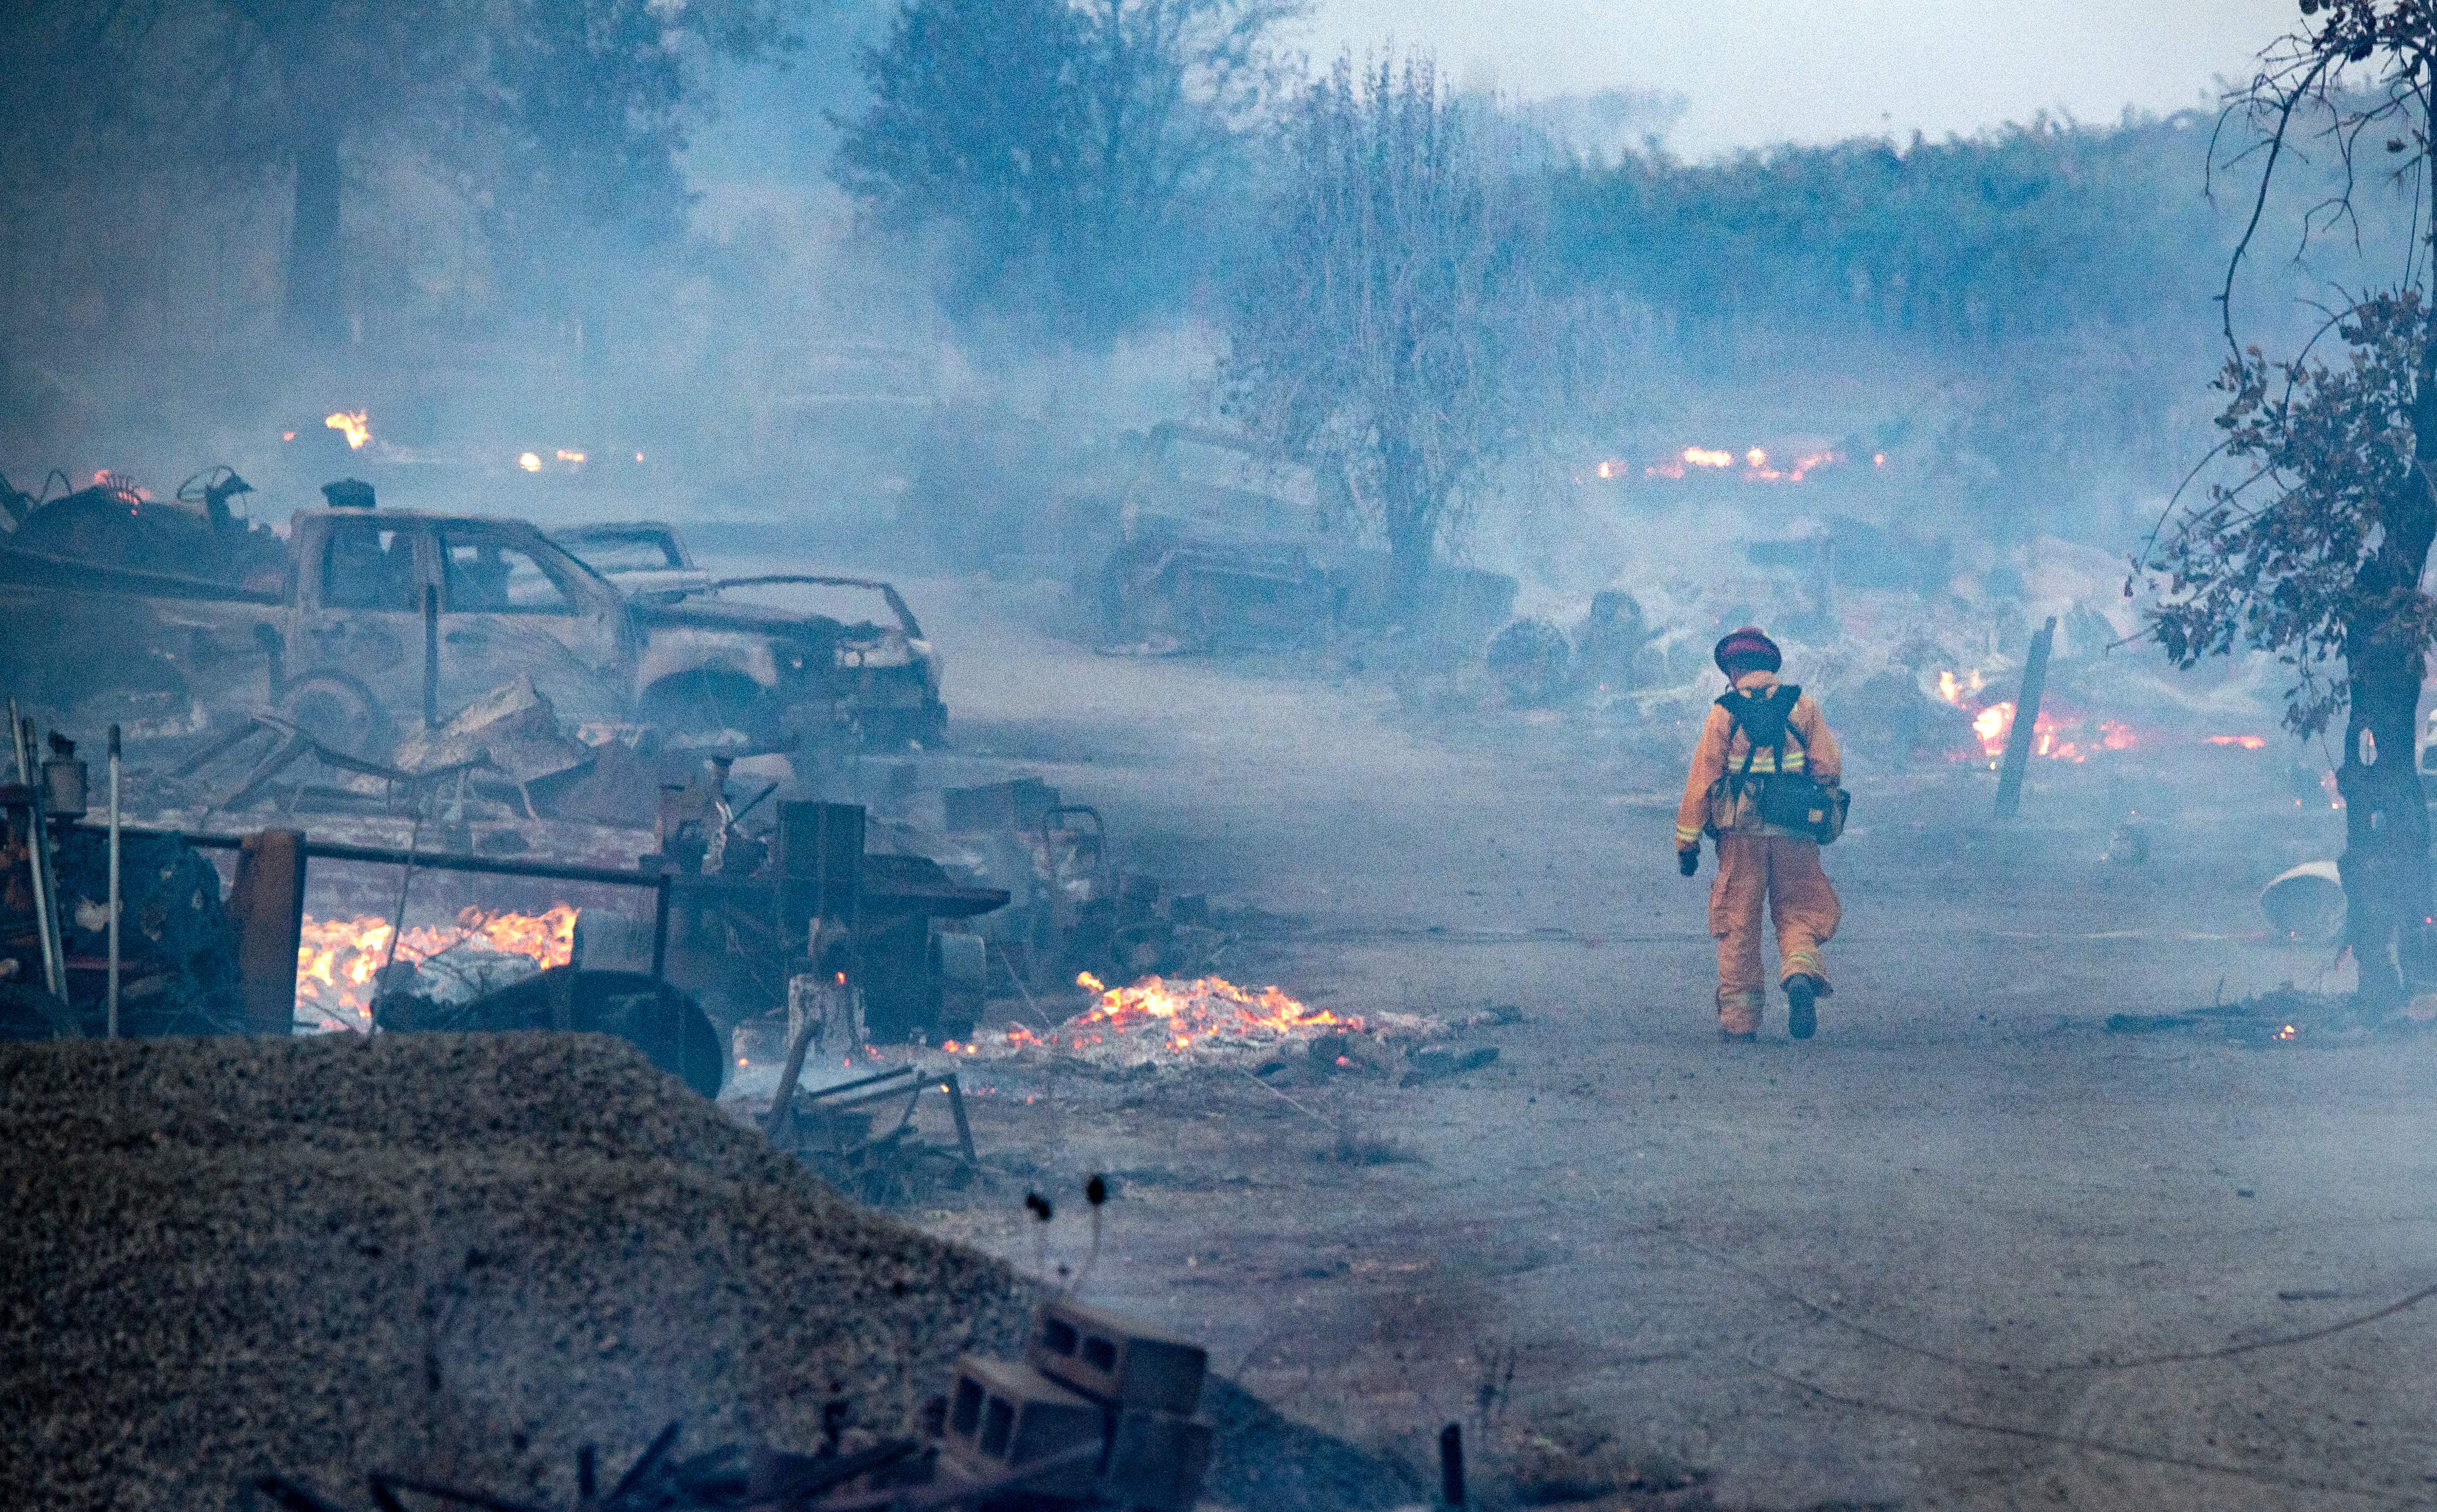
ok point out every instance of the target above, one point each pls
(706, 702)
(337, 709)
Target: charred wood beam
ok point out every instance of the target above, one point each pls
(2027, 718)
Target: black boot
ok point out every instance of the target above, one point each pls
(1801, 1006)
(1727, 1036)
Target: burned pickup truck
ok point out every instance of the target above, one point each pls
(382, 613)
(881, 651)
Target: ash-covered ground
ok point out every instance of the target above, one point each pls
(1967, 1248)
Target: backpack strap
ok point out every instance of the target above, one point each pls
(1733, 701)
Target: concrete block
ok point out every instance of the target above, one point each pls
(1003, 1415)
(1115, 1359)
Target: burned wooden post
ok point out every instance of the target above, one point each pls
(269, 905)
(432, 660)
(2027, 719)
(819, 863)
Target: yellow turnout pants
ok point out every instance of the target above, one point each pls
(1755, 868)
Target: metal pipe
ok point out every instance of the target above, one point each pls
(38, 857)
(397, 923)
(956, 1091)
(321, 850)
(660, 926)
(112, 1029)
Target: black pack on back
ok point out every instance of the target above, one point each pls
(1765, 720)
(1795, 800)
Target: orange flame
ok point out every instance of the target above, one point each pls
(354, 423)
(338, 958)
(1183, 1014)
(2245, 742)
(1991, 725)
(2050, 734)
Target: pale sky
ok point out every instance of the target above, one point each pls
(1758, 72)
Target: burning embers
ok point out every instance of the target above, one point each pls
(2057, 734)
(339, 958)
(1755, 465)
(1157, 1021)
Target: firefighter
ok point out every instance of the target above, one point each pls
(1758, 731)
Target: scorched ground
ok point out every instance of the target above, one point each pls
(1964, 1249)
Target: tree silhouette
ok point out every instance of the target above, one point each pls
(2316, 551)
(1386, 330)
(576, 104)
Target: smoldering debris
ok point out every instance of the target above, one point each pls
(1163, 1027)
(1073, 909)
(2287, 1018)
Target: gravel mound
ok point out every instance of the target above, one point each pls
(461, 1256)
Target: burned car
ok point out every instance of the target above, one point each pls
(380, 612)
(1219, 546)
(881, 656)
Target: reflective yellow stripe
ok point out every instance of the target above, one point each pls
(1686, 835)
(1765, 762)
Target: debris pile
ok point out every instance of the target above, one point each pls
(339, 961)
(462, 1257)
(1100, 1413)
(2286, 1016)
(1073, 909)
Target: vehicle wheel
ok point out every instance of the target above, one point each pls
(341, 712)
(705, 703)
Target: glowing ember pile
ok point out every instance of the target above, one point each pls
(1157, 1021)
(338, 958)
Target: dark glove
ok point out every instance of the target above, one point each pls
(1687, 861)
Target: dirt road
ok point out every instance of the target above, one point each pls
(1964, 1249)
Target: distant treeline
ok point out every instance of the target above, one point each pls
(2011, 234)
